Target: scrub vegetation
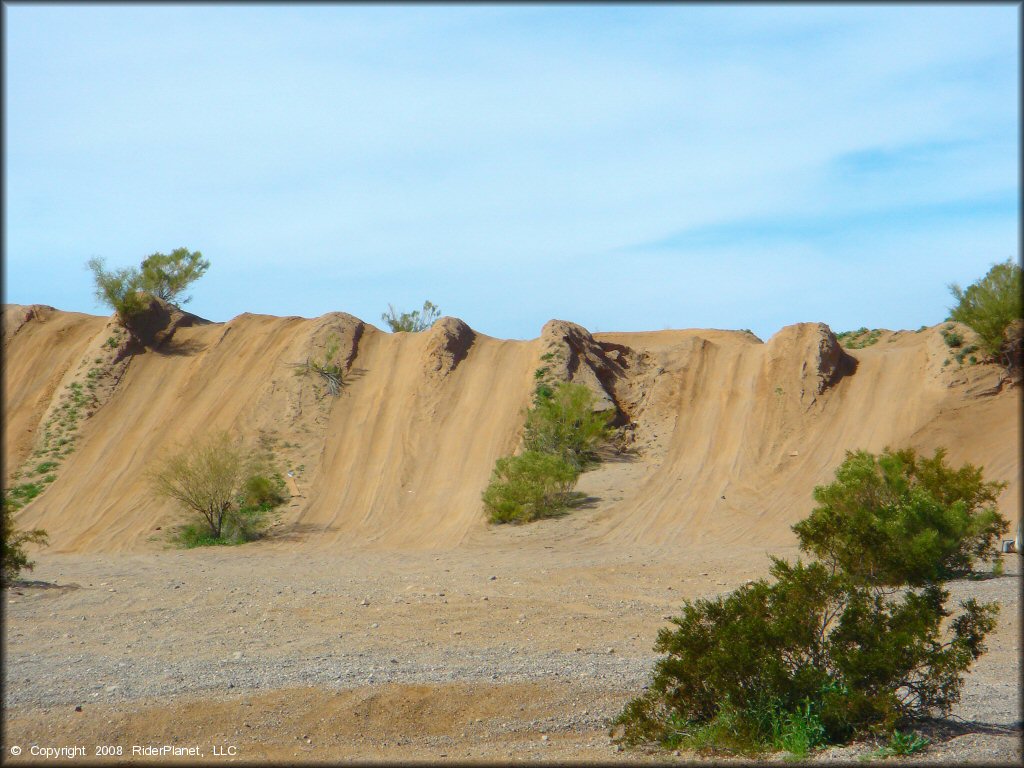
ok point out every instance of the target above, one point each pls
(858, 641)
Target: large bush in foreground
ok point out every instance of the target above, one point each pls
(990, 305)
(838, 647)
(898, 518)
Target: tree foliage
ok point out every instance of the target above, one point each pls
(219, 481)
(118, 289)
(15, 559)
(411, 322)
(861, 639)
(165, 276)
(990, 305)
(168, 275)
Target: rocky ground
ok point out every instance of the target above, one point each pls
(263, 653)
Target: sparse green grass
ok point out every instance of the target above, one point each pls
(17, 497)
(58, 436)
(859, 339)
(902, 745)
(750, 732)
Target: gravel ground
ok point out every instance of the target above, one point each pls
(535, 627)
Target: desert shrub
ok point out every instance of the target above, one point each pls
(263, 491)
(990, 305)
(220, 483)
(562, 431)
(952, 338)
(563, 422)
(898, 518)
(327, 368)
(839, 646)
(411, 322)
(902, 744)
(529, 486)
(15, 559)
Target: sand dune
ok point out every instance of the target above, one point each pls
(730, 434)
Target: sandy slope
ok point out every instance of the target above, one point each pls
(384, 619)
(730, 434)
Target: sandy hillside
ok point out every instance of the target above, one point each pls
(383, 619)
(730, 435)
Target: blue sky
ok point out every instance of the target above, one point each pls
(623, 167)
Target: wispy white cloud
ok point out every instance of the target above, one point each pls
(326, 156)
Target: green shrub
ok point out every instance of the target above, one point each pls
(902, 744)
(564, 423)
(530, 486)
(15, 559)
(263, 491)
(411, 322)
(990, 305)
(197, 534)
(857, 641)
(901, 519)
(952, 338)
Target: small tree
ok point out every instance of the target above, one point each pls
(411, 322)
(14, 557)
(165, 276)
(990, 305)
(563, 422)
(214, 478)
(168, 275)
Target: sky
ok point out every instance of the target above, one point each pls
(624, 167)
